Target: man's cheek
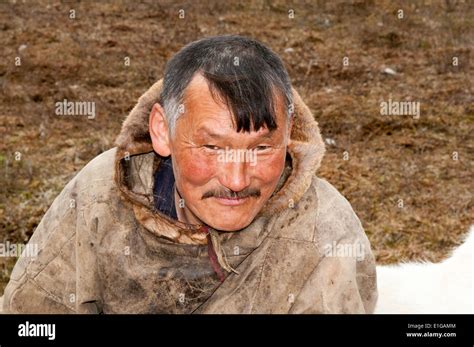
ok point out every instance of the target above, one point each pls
(198, 170)
(270, 169)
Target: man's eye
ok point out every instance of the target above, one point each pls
(212, 147)
(262, 148)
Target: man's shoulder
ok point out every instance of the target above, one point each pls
(100, 168)
(329, 197)
(335, 215)
(323, 214)
(54, 239)
(96, 177)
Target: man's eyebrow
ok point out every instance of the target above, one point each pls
(209, 132)
(213, 134)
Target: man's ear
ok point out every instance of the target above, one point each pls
(159, 131)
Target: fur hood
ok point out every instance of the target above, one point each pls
(306, 152)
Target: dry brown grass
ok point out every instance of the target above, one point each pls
(390, 157)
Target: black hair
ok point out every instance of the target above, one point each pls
(242, 72)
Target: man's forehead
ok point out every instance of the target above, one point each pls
(199, 99)
(197, 88)
(211, 116)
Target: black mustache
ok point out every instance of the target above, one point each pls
(230, 194)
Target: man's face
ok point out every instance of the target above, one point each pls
(224, 177)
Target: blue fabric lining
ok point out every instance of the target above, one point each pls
(163, 189)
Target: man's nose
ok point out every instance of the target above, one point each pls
(235, 176)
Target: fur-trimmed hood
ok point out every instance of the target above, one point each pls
(306, 151)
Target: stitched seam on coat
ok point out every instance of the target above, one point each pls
(290, 239)
(51, 296)
(306, 282)
(261, 277)
(54, 258)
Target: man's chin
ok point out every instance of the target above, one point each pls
(229, 218)
(229, 225)
(228, 228)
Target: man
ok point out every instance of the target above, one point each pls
(176, 220)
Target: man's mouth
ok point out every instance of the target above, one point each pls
(231, 201)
